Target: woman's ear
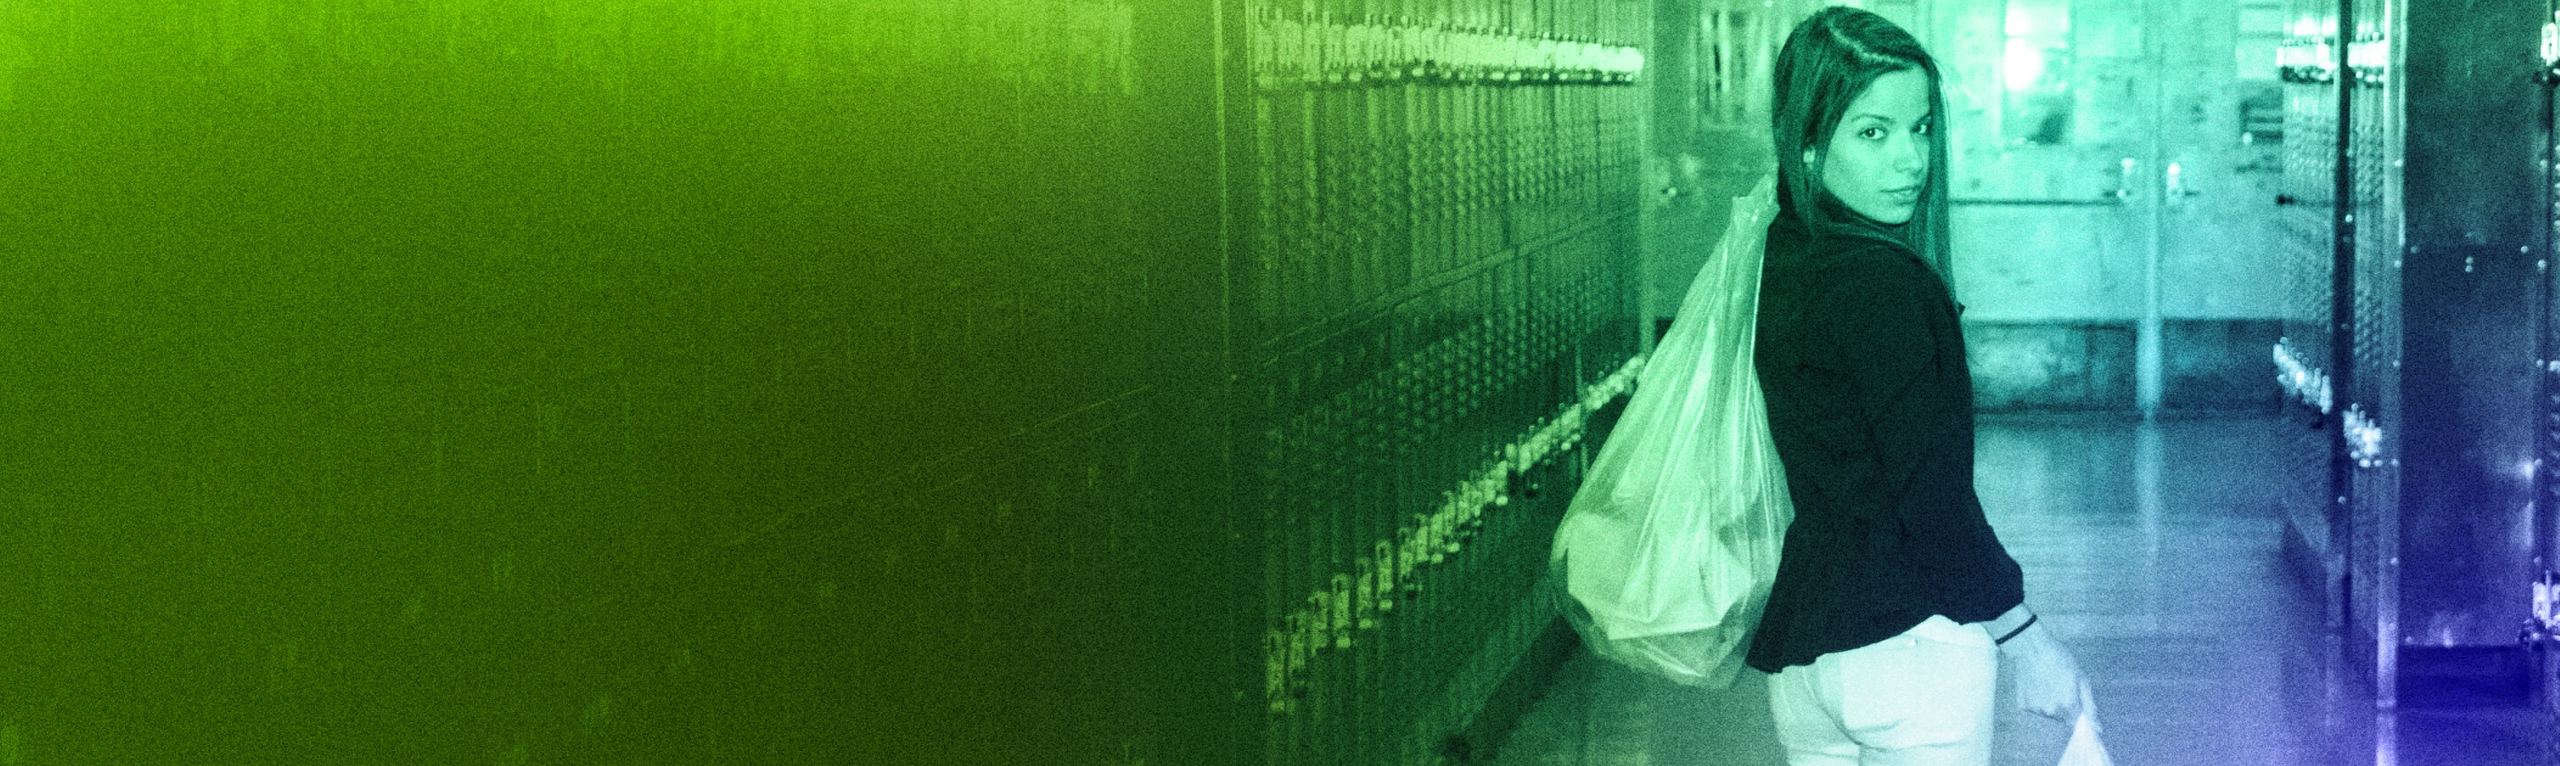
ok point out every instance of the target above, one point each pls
(1811, 158)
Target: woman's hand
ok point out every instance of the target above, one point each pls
(2048, 681)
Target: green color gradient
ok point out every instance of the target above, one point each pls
(733, 381)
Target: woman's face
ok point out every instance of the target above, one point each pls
(1879, 156)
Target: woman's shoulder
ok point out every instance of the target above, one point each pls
(1848, 256)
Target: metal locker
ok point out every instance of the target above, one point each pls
(2304, 357)
(2542, 633)
(2431, 342)
(2371, 412)
(2470, 184)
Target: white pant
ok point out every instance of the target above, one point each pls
(1922, 698)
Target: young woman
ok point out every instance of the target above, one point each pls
(1894, 606)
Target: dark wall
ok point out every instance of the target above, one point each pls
(748, 382)
(2473, 122)
(2468, 294)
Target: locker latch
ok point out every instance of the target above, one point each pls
(2550, 73)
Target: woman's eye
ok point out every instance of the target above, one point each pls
(1922, 128)
(1871, 133)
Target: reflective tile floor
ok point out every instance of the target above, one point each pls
(2153, 550)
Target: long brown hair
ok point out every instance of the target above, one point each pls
(1827, 61)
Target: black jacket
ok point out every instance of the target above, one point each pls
(1871, 405)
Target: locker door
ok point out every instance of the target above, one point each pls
(2546, 491)
(2546, 419)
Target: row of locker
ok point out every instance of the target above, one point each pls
(1442, 265)
(1339, 30)
(2419, 320)
(1442, 272)
(1366, 194)
(1390, 475)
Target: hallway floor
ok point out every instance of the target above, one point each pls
(2153, 551)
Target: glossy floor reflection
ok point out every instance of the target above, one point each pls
(2154, 551)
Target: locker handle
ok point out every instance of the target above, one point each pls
(2551, 43)
(2176, 184)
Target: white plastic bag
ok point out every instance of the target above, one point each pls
(1670, 544)
(2085, 749)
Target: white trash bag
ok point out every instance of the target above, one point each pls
(2084, 748)
(1670, 544)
